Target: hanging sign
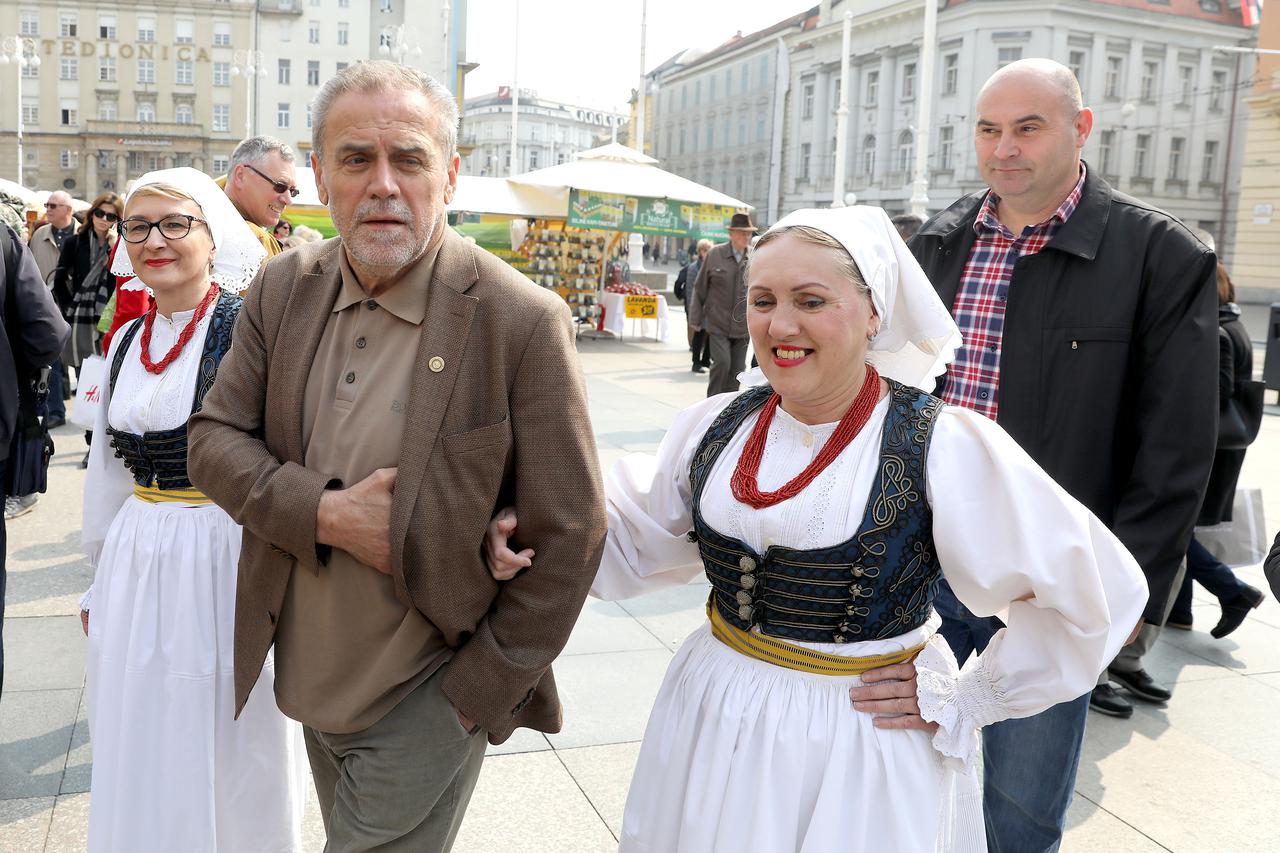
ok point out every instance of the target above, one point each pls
(668, 217)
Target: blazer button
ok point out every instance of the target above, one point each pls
(436, 364)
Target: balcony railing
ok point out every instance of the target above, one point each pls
(144, 130)
(280, 7)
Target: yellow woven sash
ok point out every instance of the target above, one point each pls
(781, 653)
(154, 495)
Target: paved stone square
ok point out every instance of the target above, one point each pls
(1202, 774)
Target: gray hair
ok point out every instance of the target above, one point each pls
(253, 149)
(383, 76)
(812, 235)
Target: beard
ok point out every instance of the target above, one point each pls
(391, 249)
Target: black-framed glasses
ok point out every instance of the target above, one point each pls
(278, 186)
(110, 217)
(175, 226)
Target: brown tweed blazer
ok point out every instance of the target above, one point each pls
(504, 422)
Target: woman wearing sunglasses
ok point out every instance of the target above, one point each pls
(173, 769)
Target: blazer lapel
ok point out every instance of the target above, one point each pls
(304, 323)
(445, 329)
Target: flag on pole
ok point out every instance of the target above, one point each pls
(1251, 11)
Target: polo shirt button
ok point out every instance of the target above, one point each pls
(360, 342)
(371, 305)
(351, 377)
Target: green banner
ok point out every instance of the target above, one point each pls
(609, 212)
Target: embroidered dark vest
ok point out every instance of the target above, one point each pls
(159, 458)
(878, 584)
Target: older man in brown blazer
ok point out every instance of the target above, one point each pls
(385, 392)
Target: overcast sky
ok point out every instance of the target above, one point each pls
(587, 52)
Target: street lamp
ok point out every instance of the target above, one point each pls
(248, 64)
(400, 42)
(22, 53)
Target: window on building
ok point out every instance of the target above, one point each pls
(182, 159)
(1215, 92)
(222, 118)
(802, 169)
(745, 84)
(1005, 55)
(68, 68)
(384, 5)
(1177, 153)
(342, 32)
(286, 31)
(184, 32)
(69, 158)
(30, 72)
(68, 26)
(340, 66)
(221, 34)
(221, 165)
(222, 73)
(282, 114)
(806, 101)
(107, 69)
(1107, 152)
(1114, 83)
(184, 72)
(1142, 156)
(1209, 163)
(146, 71)
(29, 23)
(284, 70)
(711, 136)
(313, 72)
(344, 4)
(760, 128)
(533, 158)
(183, 114)
(764, 69)
(1150, 74)
(146, 112)
(1186, 84)
(69, 113)
(146, 29)
(697, 92)
(107, 110)
(742, 131)
(869, 155)
(728, 82)
(313, 32)
(950, 73)
(873, 88)
(1075, 61)
(107, 27)
(30, 111)
(835, 95)
(682, 140)
(906, 151)
(909, 81)
(946, 147)
(711, 89)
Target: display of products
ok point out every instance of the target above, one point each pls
(568, 261)
(631, 289)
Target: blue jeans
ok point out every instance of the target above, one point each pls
(1029, 764)
(1213, 575)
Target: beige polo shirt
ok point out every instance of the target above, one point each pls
(347, 650)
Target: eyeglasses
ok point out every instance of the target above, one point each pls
(278, 186)
(53, 205)
(175, 226)
(110, 217)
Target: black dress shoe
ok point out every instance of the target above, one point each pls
(1105, 699)
(1234, 611)
(1141, 685)
(54, 421)
(698, 368)
(1178, 623)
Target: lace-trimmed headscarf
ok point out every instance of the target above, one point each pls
(917, 337)
(238, 255)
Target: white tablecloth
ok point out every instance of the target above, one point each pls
(615, 318)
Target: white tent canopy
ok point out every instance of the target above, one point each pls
(620, 170)
(28, 196)
(500, 196)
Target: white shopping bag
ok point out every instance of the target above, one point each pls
(1242, 541)
(90, 380)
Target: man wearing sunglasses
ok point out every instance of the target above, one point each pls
(261, 184)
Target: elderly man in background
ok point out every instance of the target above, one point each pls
(46, 246)
(261, 183)
(385, 391)
(719, 305)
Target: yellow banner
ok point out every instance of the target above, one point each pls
(641, 308)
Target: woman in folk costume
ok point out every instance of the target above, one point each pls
(172, 768)
(818, 709)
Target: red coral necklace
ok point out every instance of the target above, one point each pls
(745, 484)
(149, 320)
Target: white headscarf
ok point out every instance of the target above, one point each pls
(239, 254)
(917, 337)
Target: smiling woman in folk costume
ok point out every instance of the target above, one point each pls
(172, 768)
(817, 709)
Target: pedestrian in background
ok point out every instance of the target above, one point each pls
(46, 246)
(907, 224)
(684, 292)
(32, 335)
(1081, 310)
(719, 306)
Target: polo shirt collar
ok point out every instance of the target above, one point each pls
(406, 299)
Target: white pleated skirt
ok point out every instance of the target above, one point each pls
(172, 769)
(742, 756)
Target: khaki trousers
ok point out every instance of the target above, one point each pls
(403, 783)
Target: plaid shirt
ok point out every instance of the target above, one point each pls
(974, 377)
